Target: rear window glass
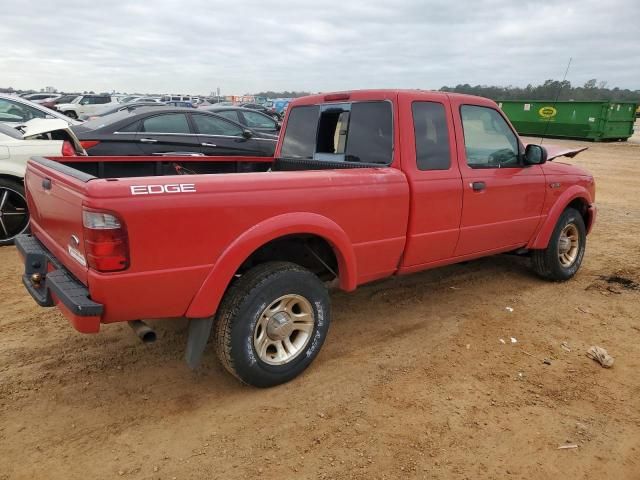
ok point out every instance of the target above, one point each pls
(300, 135)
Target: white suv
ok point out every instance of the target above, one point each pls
(86, 105)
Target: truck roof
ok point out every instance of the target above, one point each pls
(371, 94)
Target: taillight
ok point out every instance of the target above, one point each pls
(87, 144)
(105, 241)
(67, 149)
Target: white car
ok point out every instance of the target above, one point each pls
(86, 105)
(38, 137)
(15, 110)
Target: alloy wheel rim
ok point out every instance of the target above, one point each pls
(283, 329)
(14, 215)
(568, 245)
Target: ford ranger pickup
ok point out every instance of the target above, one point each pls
(363, 185)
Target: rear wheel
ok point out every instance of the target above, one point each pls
(14, 215)
(272, 323)
(563, 256)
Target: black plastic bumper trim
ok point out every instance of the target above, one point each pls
(60, 282)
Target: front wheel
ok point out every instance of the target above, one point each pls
(563, 256)
(14, 215)
(272, 323)
(71, 114)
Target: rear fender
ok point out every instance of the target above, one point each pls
(541, 240)
(206, 301)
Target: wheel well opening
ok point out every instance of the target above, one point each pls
(309, 251)
(11, 178)
(581, 206)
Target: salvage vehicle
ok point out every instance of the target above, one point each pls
(363, 185)
(15, 110)
(169, 131)
(17, 145)
(85, 105)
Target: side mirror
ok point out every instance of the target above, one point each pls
(247, 134)
(535, 155)
(278, 126)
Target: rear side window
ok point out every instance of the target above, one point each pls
(432, 136)
(171, 123)
(352, 132)
(300, 135)
(369, 136)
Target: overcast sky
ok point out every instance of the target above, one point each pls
(194, 46)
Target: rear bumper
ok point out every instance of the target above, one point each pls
(50, 284)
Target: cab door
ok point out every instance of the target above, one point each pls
(429, 161)
(503, 198)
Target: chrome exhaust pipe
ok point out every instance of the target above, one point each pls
(144, 332)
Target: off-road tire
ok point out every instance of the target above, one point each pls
(242, 307)
(546, 262)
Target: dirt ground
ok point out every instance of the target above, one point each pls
(413, 381)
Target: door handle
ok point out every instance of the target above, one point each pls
(204, 144)
(46, 183)
(148, 140)
(478, 186)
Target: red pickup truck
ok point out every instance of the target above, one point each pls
(363, 185)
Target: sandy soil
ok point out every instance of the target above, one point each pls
(413, 381)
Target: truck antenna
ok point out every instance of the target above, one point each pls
(555, 101)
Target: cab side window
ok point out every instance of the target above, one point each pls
(488, 140)
(432, 136)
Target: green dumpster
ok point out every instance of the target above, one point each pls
(584, 120)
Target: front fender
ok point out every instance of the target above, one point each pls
(206, 301)
(541, 239)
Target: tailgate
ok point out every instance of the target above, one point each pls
(55, 194)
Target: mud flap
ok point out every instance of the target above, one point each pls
(199, 332)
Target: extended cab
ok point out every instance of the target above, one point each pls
(363, 185)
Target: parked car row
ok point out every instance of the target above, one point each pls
(172, 131)
(103, 125)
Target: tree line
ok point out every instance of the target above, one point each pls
(591, 90)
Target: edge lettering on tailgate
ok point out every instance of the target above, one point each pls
(168, 188)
